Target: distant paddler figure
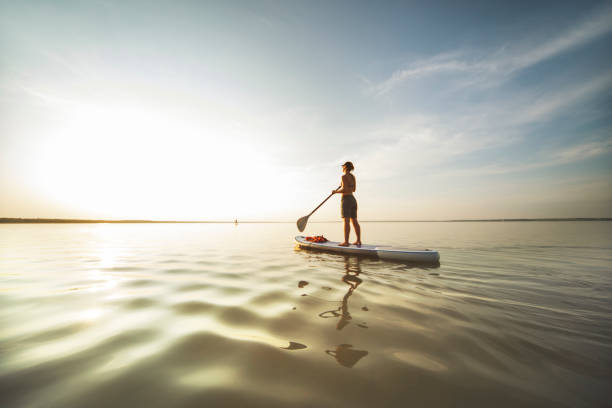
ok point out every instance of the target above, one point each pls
(348, 204)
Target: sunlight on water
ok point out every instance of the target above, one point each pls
(210, 377)
(516, 314)
(90, 315)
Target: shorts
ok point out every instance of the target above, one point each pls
(348, 207)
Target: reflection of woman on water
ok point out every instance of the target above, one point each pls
(350, 278)
(344, 354)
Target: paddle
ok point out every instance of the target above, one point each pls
(301, 223)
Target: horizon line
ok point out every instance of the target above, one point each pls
(9, 220)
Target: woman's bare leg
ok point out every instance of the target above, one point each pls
(347, 231)
(357, 231)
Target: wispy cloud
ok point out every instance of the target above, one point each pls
(422, 145)
(442, 63)
(432, 143)
(582, 151)
(567, 155)
(501, 63)
(46, 97)
(530, 108)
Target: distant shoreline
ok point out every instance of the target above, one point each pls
(80, 221)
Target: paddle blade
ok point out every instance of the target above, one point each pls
(301, 223)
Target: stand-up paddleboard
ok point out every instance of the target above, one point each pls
(382, 252)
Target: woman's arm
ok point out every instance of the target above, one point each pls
(344, 188)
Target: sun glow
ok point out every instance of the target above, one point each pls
(127, 162)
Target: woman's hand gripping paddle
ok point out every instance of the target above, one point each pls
(301, 223)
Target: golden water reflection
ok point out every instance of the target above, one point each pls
(344, 354)
(173, 315)
(351, 277)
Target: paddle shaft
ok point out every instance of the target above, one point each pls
(323, 202)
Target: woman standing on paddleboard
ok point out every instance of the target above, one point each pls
(349, 204)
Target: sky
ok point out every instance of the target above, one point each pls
(216, 110)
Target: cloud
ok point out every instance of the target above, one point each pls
(433, 144)
(567, 155)
(438, 64)
(47, 98)
(528, 109)
(582, 151)
(496, 66)
(597, 25)
(422, 145)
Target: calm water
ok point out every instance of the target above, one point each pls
(517, 314)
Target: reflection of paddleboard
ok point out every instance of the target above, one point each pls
(382, 252)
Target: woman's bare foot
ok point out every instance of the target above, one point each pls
(344, 244)
(358, 243)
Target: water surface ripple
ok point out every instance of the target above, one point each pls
(516, 314)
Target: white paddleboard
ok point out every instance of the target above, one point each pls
(382, 252)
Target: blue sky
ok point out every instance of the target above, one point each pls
(217, 110)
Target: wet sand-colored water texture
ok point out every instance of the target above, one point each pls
(192, 315)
